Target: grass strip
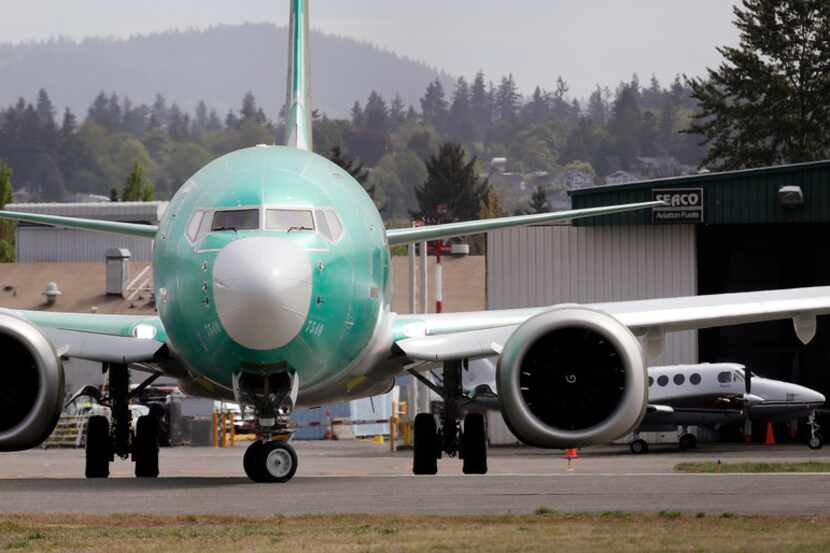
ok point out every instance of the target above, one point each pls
(810, 466)
(544, 530)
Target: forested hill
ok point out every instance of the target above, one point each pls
(217, 65)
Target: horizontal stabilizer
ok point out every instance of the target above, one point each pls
(96, 225)
(452, 230)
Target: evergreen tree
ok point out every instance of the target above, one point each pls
(397, 112)
(45, 109)
(508, 100)
(358, 120)
(453, 191)
(158, 113)
(434, 106)
(6, 227)
(625, 125)
(136, 190)
(598, 106)
(460, 121)
(539, 201)
(480, 106)
(99, 111)
(769, 101)
(376, 114)
(352, 167)
(491, 206)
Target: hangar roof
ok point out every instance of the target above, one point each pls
(730, 197)
(128, 212)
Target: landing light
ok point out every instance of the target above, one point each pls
(144, 331)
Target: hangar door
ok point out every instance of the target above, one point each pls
(742, 258)
(548, 265)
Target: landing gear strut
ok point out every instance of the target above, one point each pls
(105, 440)
(816, 439)
(269, 460)
(469, 442)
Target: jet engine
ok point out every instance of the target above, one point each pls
(31, 385)
(570, 377)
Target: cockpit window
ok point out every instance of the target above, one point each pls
(236, 219)
(725, 377)
(328, 223)
(289, 219)
(194, 224)
(334, 224)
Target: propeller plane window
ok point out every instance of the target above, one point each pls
(663, 380)
(694, 379)
(236, 219)
(679, 379)
(725, 377)
(650, 381)
(289, 220)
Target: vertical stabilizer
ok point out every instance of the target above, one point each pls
(298, 106)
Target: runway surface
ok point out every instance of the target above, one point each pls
(337, 477)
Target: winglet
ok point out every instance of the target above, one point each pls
(298, 105)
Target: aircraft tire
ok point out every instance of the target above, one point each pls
(424, 458)
(277, 462)
(98, 447)
(146, 447)
(687, 442)
(251, 462)
(816, 441)
(474, 444)
(638, 447)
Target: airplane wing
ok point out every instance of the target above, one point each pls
(450, 336)
(452, 230)
(130, 229)
(104, 338)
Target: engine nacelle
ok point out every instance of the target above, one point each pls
(31, 385)
(571, 377)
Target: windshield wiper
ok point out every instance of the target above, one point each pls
(226, 228)
(289, 229)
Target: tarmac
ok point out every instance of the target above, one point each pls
(361, 477)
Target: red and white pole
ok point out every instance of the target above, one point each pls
(439, 276)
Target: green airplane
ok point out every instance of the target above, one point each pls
(273, 286)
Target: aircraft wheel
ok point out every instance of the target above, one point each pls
(251, 461)
(278, 462)
(816, 441)
(638, 446)
(425, 460)
(98, 447)
(146, 447)
(474, 444)
(687, 441)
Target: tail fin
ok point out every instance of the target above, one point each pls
(298, 106)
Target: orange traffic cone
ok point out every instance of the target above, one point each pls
(770, 435)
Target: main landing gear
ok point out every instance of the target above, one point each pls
(104, 440)
(469, 441)
(270, 459)
(816, 439)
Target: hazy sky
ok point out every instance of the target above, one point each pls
(586, 41)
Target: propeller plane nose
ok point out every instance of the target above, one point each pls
(262, 291)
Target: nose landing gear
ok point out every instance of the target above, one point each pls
(273, 396)
(816, 440)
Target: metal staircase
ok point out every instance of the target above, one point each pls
(68, 433)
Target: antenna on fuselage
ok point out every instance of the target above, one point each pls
(298, 105)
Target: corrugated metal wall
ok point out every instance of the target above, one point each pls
(44, 244)
(548, 265)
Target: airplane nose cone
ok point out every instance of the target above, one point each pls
(262, 291)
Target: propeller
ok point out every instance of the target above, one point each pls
(747, 405)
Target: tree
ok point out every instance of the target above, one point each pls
(376, 114)
(491, 205)
(352, 167)
(480, 106)
(769, 101)
(539, 201)
(508, 100)
(136, 190)
(6, 227)
(434, 106)
(453, 191)
(358, 119)
(460, 125)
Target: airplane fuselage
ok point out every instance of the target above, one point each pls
(272, 259)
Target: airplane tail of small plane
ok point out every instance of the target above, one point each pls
(298, 104)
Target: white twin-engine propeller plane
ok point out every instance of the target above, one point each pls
(272, 280)
(716, 394)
